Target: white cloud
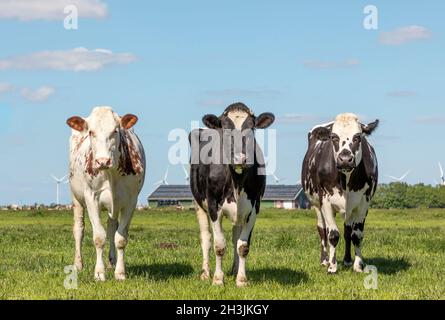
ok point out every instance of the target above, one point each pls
(6, 87)
(314, 119)
(431, 120)
(318, 64)
(27, 10)
(78, 59)
(39, 95)
(404, 35)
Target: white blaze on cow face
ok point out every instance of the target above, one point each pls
(103, 129)
(238, 117)
(346, 137)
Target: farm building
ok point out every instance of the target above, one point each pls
(276, 196)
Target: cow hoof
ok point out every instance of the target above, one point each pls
(332, 270)
(358, 267)
(99, 276)
(120, 276)
(241, 282)
(218, 280)
(205, 275)
(347, 263)
(78, 265)
(324, 263)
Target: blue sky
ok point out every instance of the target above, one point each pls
(174, 61)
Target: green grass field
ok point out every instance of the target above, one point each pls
(407, 247)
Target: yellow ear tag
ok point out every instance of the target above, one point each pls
(239, 169)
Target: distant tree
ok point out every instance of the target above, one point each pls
(403, 196)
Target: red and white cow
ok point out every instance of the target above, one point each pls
(107, 171)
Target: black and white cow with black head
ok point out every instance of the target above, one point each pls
(231, 184)
(340, 175)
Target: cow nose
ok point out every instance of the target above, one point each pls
(103, 163)
(345, 158)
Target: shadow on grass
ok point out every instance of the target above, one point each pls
(283, 276)
(161, 271)
(389, 266)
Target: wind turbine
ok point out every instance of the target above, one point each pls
(401, 178)
(442, 177)
(277, 180)
(186, 173)
(163, 181)
(58, 182)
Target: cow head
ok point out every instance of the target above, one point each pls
(346, 134)
(239, 123)
(103, 128)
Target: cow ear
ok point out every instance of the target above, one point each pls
(77, 123)
(211, 121)
(321, 133)
(264, 120)
(128, 121)
(370, 128)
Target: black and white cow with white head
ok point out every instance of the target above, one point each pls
(231, 187)
(340, 174)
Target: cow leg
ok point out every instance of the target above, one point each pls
(333, 236)
(219, 242)
(220, 248)
(112, 226)
(347, 260)
(243, 247)
(121, 240)
(99, 237)
(321, 226)
(78, 231)
(236, 232)
(206, 239)
(357, 237)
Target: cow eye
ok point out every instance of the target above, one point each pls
(225, 123)
(335, 138)
(91, 133)
(357, 139)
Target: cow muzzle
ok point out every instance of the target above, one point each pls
(345, 161)
(239, 162)
(103, 163)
